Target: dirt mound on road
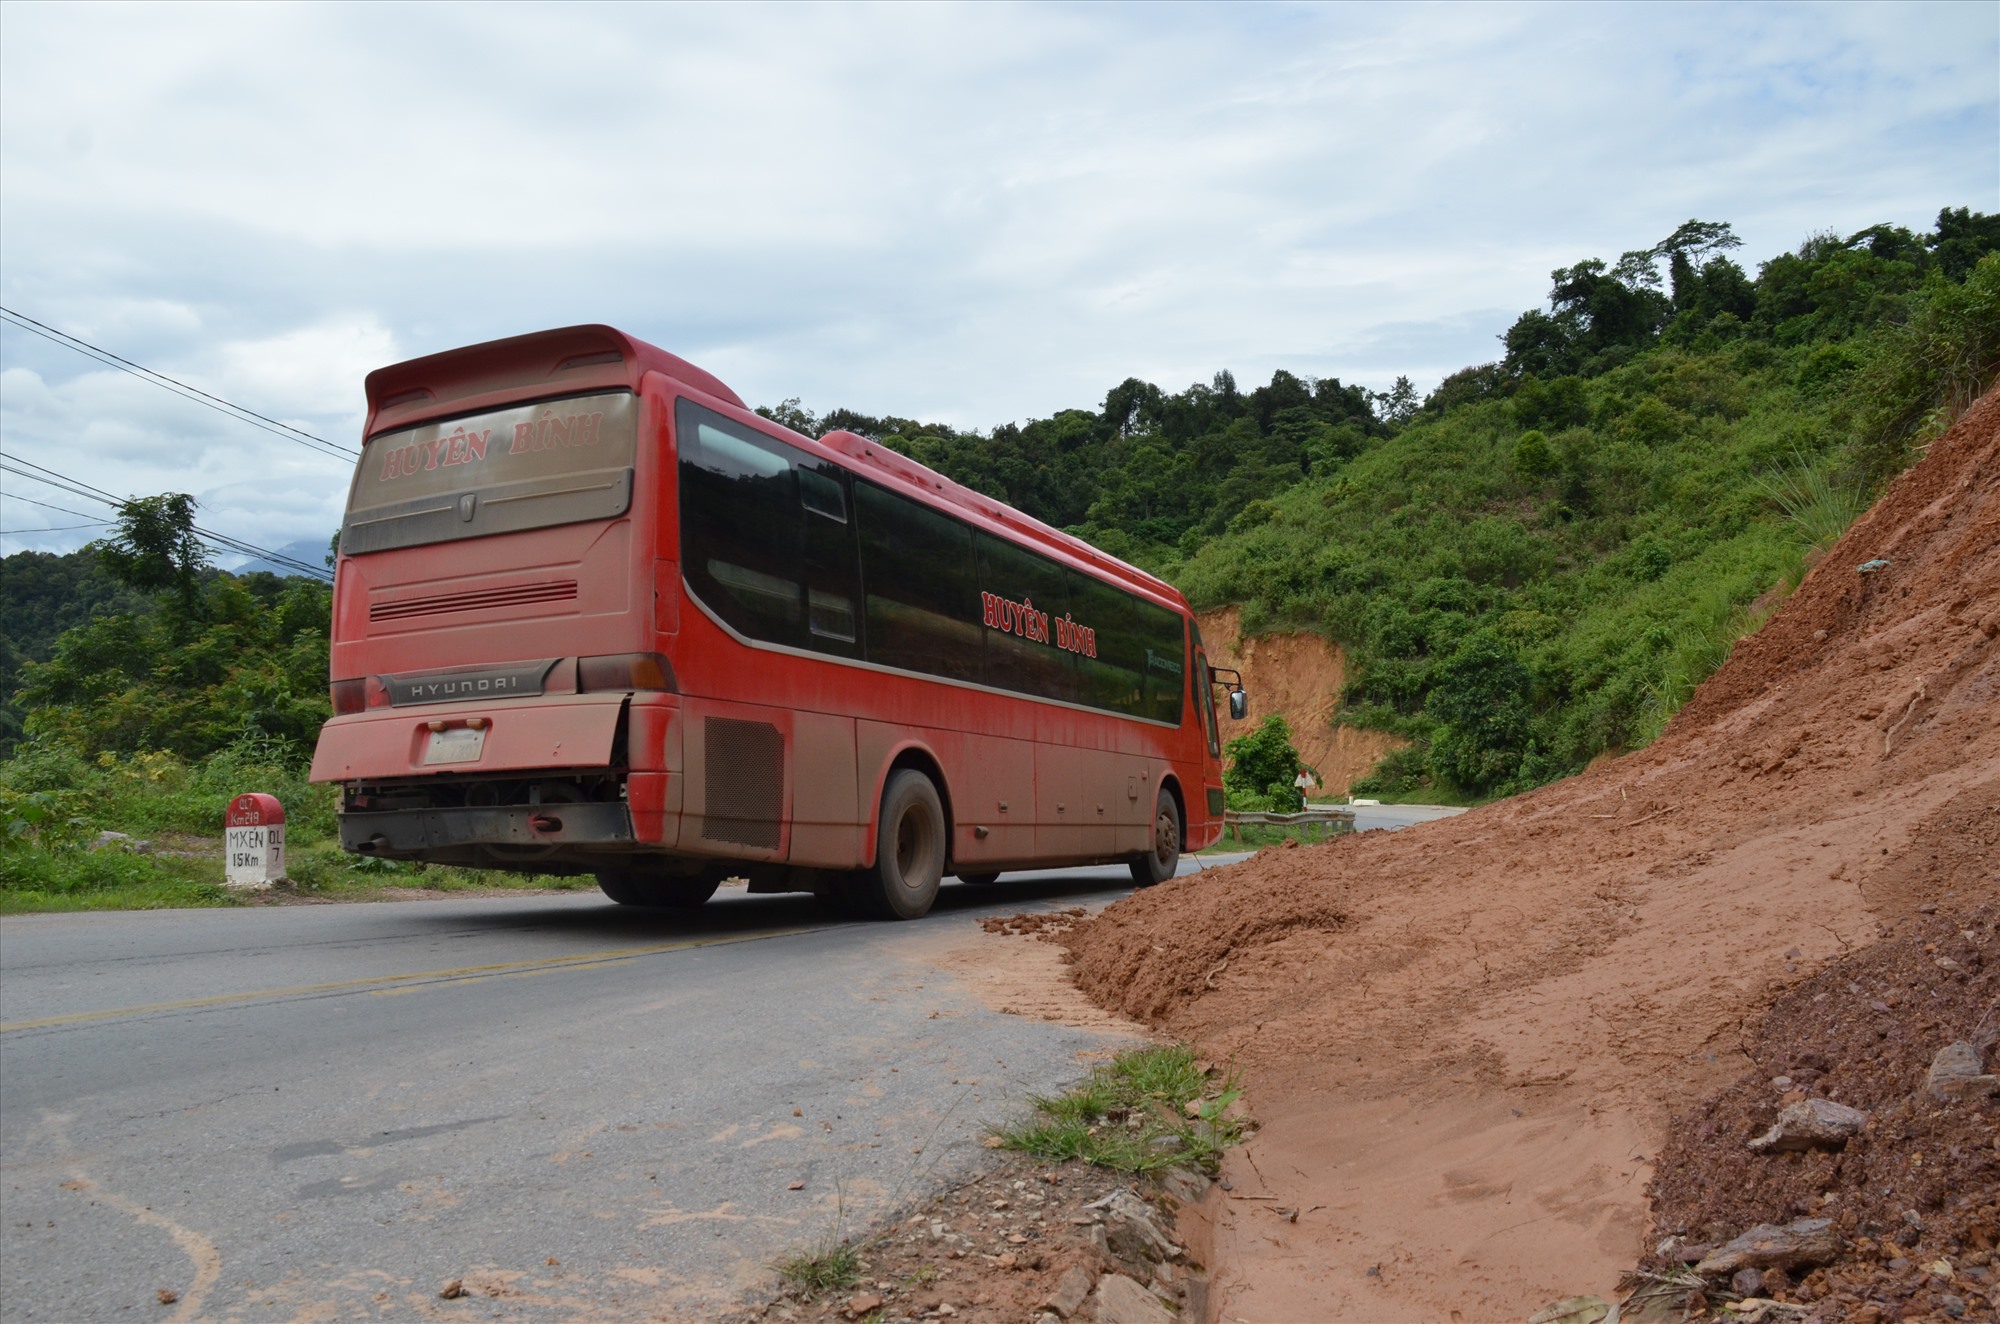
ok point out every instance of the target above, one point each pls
(1466, 1040)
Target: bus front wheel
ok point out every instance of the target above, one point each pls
(909, 850)
(1159, 864)
(636, 887)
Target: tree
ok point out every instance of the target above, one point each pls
(1479, 698)
(1533, 459)
(156, 548)
(1963, 237)
(1264, 768)
(789, 413)
(1398, 405)
(254, 664)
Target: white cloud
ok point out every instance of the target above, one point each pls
(311, 370)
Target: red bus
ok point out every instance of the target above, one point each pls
(592, 615)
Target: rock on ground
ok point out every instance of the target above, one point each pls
(1809, 1241)
(1811, 1124)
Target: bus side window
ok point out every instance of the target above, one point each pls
(919, 606)
(740, 525)
(1166, 646)
(832, 623)
(1020, 656)
(1112, 663)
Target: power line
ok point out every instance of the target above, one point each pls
(64, 484)
(221, 541)
(12, 496)
(298, 436)
(59, 528)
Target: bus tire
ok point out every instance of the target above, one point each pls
(979, 879)
(636, 887)
(909, 850)
(1159, 864)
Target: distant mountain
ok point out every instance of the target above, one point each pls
(311, 551)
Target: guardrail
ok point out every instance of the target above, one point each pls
(1235, 820)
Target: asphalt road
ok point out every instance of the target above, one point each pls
(327, 1112)
(1394, 817)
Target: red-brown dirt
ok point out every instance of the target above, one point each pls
(1467, 1041)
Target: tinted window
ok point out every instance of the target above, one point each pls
(1131, 659)
(1108, 674)
(833, 625)
(1163, 640)
(1028, 596)
(766, 541)
(920, 610)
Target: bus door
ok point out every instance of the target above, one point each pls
(1211, 767)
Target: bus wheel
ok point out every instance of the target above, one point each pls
(909, 850)
(979, 879)
(1158, 864)
(636, 887)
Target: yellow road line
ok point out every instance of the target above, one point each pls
(468, 972)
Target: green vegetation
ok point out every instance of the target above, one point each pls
(152, 690)
(833, 1267)
(40, 597)
(1144, 1110)
(1538, 563)
(54, 802)
(1264, 768)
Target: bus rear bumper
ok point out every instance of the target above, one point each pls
(424, 832)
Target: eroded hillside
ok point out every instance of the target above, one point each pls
(1297, 675)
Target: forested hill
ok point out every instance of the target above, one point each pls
(1538, 562)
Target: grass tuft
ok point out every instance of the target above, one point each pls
(831, 1267)
(1819, 508)
(1144, 1110)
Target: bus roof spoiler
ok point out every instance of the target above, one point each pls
(570, 359)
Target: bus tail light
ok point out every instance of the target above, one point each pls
(626, 671)
(349, 696)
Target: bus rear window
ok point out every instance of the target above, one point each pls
(525, 467)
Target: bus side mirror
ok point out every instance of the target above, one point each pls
(1239, 705)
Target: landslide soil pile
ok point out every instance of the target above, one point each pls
(1466, 1041)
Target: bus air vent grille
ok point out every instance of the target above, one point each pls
(514, 595)
(745, 773)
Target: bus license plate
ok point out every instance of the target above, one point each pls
(455, 744)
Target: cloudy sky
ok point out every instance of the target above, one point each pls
(975, 214)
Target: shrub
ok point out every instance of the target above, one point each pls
(1263, 769)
